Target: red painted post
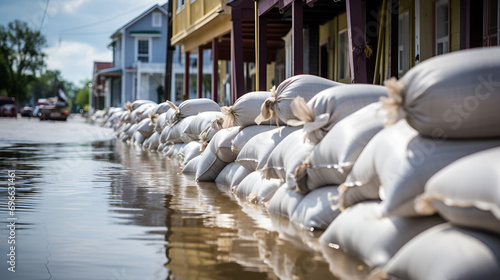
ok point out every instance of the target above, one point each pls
(356, 34)
(262, 52)
(237, 58)
(297, 38)
(186, 75)
(215, 69)
(394, 42)
(199, 76)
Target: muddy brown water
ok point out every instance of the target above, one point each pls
(91, 207)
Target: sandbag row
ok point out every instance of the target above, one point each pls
(428, 180)
(384, 170)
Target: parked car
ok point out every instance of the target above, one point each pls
(56, 109)
(27, 111)
(8, 107)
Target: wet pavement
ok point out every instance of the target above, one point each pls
(90, 207)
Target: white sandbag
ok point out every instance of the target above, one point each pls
(343, 265)
(192, 166)
(446, 252)
(161, 146)
(144, 128)
(265, 191)
(138, 138)
(173, 150)
(330, 106)
(232, 175)
(154, 141)
(256, 151)
(132, 129)
(169, 117)
(455, 95)
(314, 210)
(146, 113)
(138, 103)
(362, 232)
(160, 123)
(400, 162)
(257, 190)
(245, 109)
(466, 192)
(199, 124)
(332, 159)
(191, 150)
(224, 143)
(284, 201)
(246, 134)
(248, 185)
(130, 107)
(285, 160)
(164, 134)
(278, 105)
(175, 134)
(161, 108)
(192, 107)
(211, 164)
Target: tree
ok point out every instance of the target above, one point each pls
(21, 56)
(82, 96)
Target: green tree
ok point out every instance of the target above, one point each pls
(82, 95)
(21, 57)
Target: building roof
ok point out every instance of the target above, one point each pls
(130, 23)
(99, 65)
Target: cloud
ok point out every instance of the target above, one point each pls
(75, 59)
(70, 6)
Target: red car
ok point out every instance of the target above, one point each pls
(8, 107)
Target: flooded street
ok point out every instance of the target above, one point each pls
(91, 207)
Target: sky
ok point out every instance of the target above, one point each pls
(77, 31)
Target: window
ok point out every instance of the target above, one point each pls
(343, 56)
(156, 19)
(180, 5)
(441, 27)
(143, 50)
(404, 43)
(490, 22)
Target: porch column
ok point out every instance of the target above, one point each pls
(262, 52)
(356, 38)
(297, 38)
(186, 75)
(314, 49)
(394, 42)
(138, 85)
(215, 69)
(237, 76)
(471, 24)
(199, 77)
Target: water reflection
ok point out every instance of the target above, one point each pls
(106, 210)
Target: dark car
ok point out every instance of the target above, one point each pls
(27, 111)
(8, 107)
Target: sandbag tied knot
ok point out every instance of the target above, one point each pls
(267, 110)
(228, 113)
(423, 204)
(312, 124)
(129, 107)
(177, 115)
(152, 118)
(392, 106)
(302, 168)
(203, 141)
(217, 123)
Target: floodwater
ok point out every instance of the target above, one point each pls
(90, 207)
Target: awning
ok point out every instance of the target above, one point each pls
(110, 72)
